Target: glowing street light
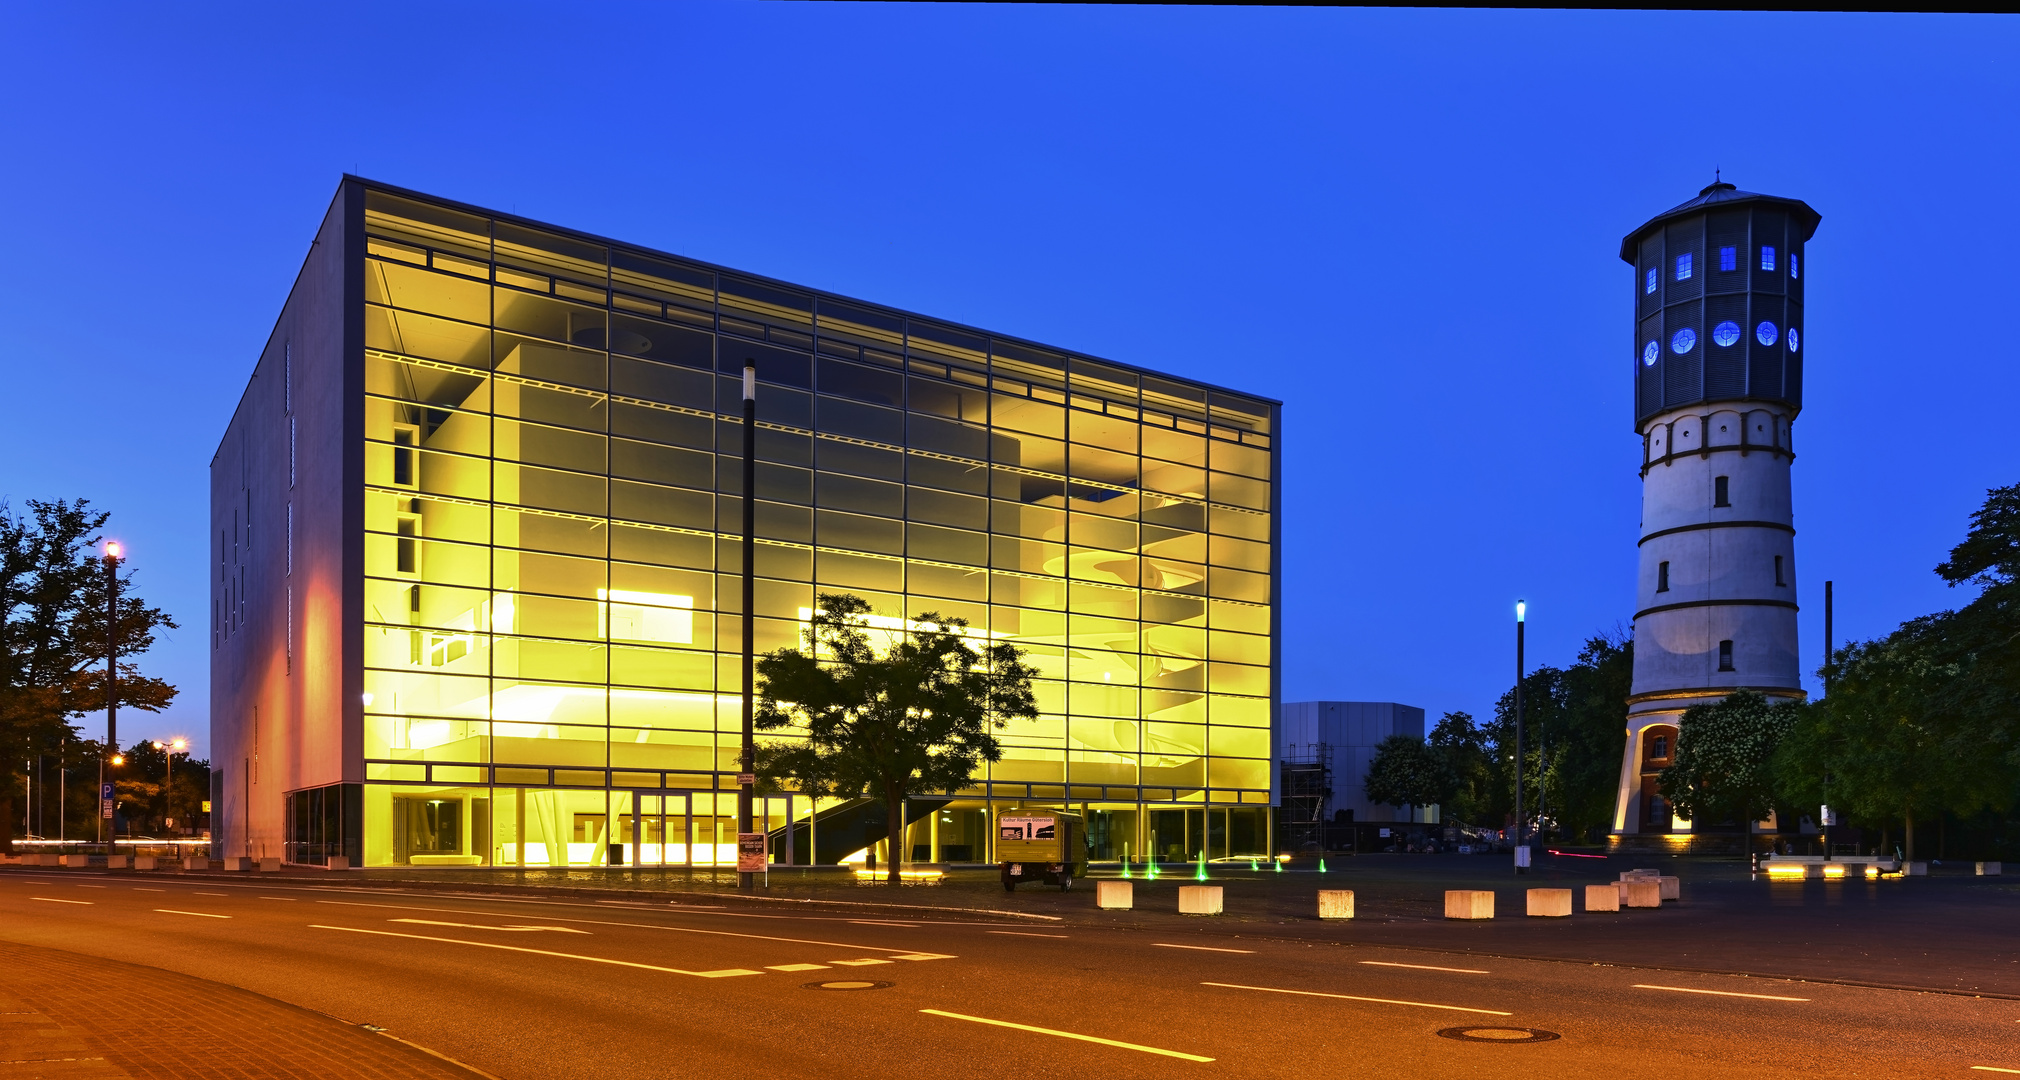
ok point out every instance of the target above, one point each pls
(113, 553)
(1521, 841)
(168, 797)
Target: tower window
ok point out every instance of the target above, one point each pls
(1721, 493)
(1728, 258)
(1683, 267)
(1650, 287)
(1725, 655)
(1794, 270)
(1767, 257)
(1662, 574)
(1778, 571)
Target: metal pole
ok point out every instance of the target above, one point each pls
(112, 674)
(1828, 612)
(1521, 841)
(745, 879)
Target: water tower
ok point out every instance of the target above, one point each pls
(1718, 381)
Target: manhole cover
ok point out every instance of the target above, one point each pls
(1498, 1034)
(859, 984)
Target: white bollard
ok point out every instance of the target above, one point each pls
(1469, 904)
(1115, 895)
(1550, 903)
(269, 865)
(1336, 903)
(339, 862)
(196, 862)
(1672, 888)
(76, 860)
(1602, 898)
(1988, 869)
(1917, 869)
(1199, 900)
(115, 862)
(1641, 894)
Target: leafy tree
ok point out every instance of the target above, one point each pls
(1574, 723)
(53, 637)
(1723, 769)
(915, 716)
(1409, 772)
(1470, 756)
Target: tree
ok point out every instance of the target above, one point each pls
(1470, 757)
(1410, 772)
(54, 633)
(916, 716)
(1723, 769)
(1574, 723)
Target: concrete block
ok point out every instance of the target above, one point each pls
(1640, 894)
(234, 862)
(340, 862)
(1199, 900)
(142, 862)
(115, 862)
(1550, 903)
(1988, 869)
(1115, 895)
(1469, 904)
(270, 866)
(1917, 869)
(1672, 888)
(76, 860)
(196, 862)
(1336, 903)
(31, 860)
(1640, 875)
(1602, 898)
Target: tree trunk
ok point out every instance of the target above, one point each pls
(1908, 828)
(894, 828)
(7, 823)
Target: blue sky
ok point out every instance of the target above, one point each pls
(1402, 223)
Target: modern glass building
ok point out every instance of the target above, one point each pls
(477, 538)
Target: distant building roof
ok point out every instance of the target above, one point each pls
(1722, 195)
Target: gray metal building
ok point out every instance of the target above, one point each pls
(1342, 736)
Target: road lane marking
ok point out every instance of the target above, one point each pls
(1021, 933)
(1426, 967)
(1993, 1068)
(796, 967)
(138, 888)
(543, 952)
(1066, 1035)
(474, 926)
(867, 922)
(84, 886)
(1351, 997)
(53, 900)
(199, 914)
(289, 899)
(858, 963)
(213, 894)
(1720, 993)
(606, 922)
(922, 956)
(1201, 948)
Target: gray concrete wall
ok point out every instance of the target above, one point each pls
(284, 575)
(1353, 729)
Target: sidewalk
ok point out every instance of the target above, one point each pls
(82, 1018)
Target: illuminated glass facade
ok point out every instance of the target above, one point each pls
(541, 554)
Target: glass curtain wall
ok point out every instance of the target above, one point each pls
(552, 551)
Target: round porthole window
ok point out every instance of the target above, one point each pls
(1793, 337)
(1725, 333)
(1766, 333)
(1683, 341)
(1649, 352)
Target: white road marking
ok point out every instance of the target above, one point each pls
(138, 888)
(1021, 933)
(1066, 1035)
(921, 956)
(199, 914)
(476, 926)
(1993, 1068)
(1351, 997)
(289, 899)
(797, 967)
(53, 900)
(542, 952)
(213, 894)
(867, 922)
(1201, 948)
(858, 963)
(1720, 993)
(1427, 967)
(606, 922)
(83, 886)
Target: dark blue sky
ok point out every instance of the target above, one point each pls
(1403, 224)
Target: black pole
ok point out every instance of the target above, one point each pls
(1828, 612)
(1521, 840)
(112, 679)
(745, 879)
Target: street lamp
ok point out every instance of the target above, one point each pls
(1521, 841)
(168, 789)
(747, 770)
(106, 781)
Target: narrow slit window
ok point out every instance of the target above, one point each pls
(409, 546)
(1767, 257)
(1721, 492)
(404, 440)
(1728, 258)
(1662, 575)
(1725, 655)
(1650, 287)
(1683, 267)
(1778, 571)
(1793, 267)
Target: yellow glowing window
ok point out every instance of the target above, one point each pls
(628, 615)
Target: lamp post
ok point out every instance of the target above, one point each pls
(1521, 840)
(168, 789)
(747, 780)
(106, 775)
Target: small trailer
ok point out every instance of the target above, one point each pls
(1036, 844)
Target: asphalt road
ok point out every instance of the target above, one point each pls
(526, 988)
